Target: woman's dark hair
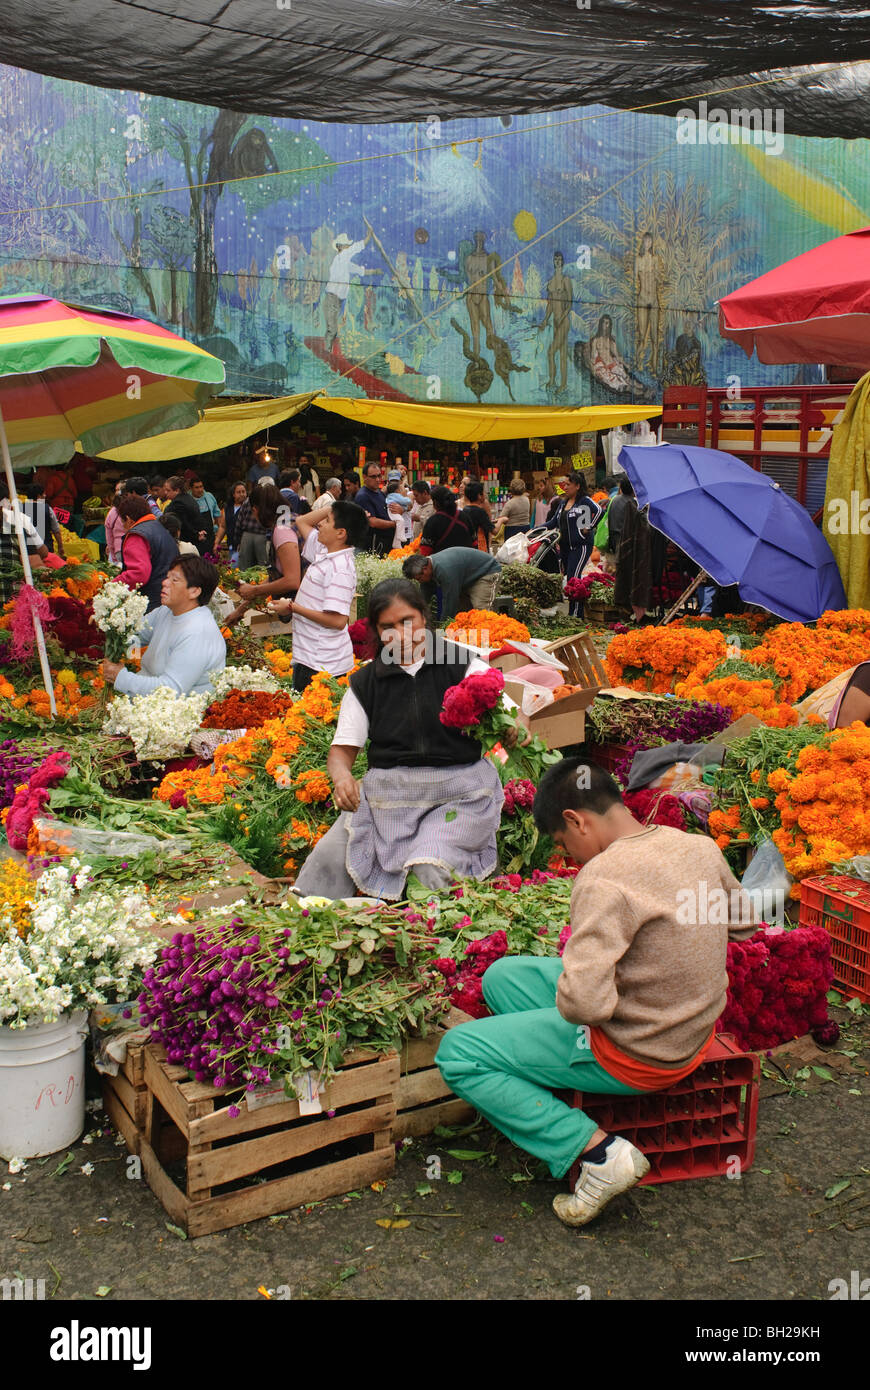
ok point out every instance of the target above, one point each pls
(385, 593)
(170, 521)
(131, 507)
(473, 491)
(572, 785)
(35, 491)
(177, 482)
(266, 499)
(443, 500)
(625, 487)
(198, 574)
(580, 480)
(348, 478)
(351, 519)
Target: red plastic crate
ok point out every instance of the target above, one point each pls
(841, 904)
(606, 755)
(692, 1129)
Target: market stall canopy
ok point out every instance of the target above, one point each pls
(221, 425)
(739, 526)
(371, 61)
(814, 308)
(848, 486)
(70, 374)
(467, 423)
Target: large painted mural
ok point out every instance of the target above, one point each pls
(568, 258)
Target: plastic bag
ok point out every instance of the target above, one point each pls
(515, 551)
(678, 778)
(768, 882)
(859, 867)
(602, 530)
(83, 841)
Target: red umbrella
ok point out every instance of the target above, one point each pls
(815, 308)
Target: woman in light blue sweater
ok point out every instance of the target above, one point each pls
(184, 641)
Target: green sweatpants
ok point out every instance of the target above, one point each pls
(508, 1066)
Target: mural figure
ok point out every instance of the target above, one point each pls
(605, 359)
(684, 366)
(560, 297)
(483, 266)
(648, 280)
(478, 373)
(343, 266)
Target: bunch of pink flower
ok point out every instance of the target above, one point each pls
(32, 799)
(778, 985)
(464, 981)
(519, 795)
(465, 703)
(653, 807)
(22, 626)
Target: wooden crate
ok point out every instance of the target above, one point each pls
(424, 1099)
(163, 1116)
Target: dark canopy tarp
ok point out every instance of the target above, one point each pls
(403, 60)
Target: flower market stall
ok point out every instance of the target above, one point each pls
(247, 1009)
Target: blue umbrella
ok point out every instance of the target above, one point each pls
(739, 526)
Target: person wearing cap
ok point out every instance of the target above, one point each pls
(343, 266)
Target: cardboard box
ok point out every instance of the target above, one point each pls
(564, 721)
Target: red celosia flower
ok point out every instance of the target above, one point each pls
(466, 702)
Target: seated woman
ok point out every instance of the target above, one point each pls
(854, 703)
(184, 641)
(282, 553)
(398, 819)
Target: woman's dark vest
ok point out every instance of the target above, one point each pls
(402, 710)
(163, 552)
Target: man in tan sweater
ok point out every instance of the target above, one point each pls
(633, 1003)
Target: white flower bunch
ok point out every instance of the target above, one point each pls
(85, 947)
(118, 612)
(160, 723)
(242, 678)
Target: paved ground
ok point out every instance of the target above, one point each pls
(773, 1234)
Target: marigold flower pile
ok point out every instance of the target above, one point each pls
(481, 628)
(823, 805)
(17, 891)
(245, 709)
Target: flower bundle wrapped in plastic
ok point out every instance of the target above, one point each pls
(118, 612)
(32, 797)
(84, 947)
(159, 723)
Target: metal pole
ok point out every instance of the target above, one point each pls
(25, 565)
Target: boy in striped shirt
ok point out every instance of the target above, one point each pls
(324, 599)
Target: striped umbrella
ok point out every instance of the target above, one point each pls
(90, 376)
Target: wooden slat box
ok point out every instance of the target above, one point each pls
(186, 1119)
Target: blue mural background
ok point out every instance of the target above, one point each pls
(230, 229)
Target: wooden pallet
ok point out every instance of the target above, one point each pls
(164, 1116)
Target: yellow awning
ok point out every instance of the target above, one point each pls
(220, 426)
(466, 423)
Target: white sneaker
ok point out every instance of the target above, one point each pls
(599, 1183)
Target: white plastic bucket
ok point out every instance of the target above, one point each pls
(42, 1086)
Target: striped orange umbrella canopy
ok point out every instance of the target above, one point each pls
(101, 378)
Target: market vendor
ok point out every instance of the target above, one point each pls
(632, 1005)
(282, 552)
(467, 578)
(429, 804)
(184, 643)
(147, 550)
